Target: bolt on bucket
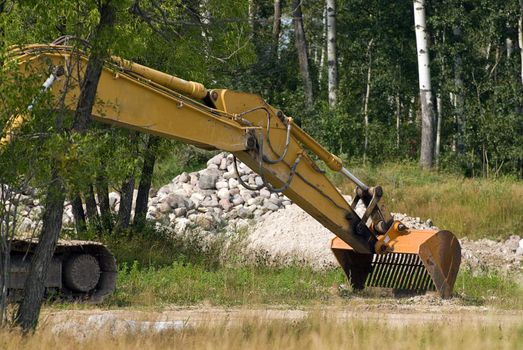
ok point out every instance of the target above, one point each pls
(418, 261)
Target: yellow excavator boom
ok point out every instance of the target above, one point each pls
(136, 97)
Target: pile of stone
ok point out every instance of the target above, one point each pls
(26, 207)
(486, 255)
(213, 199)
(208, 200)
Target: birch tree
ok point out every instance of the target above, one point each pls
(439, 107)
(323, 52)
(520, 36)
(276, 27)
(301, 48)
(457, 97)
(332, 60)
(366, 101)
(425, 89)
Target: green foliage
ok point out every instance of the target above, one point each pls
(217, 43)
(156, 247)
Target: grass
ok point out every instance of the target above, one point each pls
(316, 331)
(492, 289)
(192, 284)
(188, 284)
(475, 208)
(158, 269)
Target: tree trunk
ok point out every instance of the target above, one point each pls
(126, 203)
(91, 206)
(142, 199)
(127, 190)
(427, 107)
(323, 54)
(34, 288)
(520, 36)
(253, 12)
(88, 95)
(205, 20)
(78, 213)
(94, 70)
(276, 28)
(5, 263)
(332, 60)
(102, 191)
(302, 49)
(509, 44)
(458, 99)
(398, 120)
(439, 106)
(9, 200)
(366, 102)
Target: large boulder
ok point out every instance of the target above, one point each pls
(208, 179)
(175, 200)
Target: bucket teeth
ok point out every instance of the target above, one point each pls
(421, 261)
(401, 272)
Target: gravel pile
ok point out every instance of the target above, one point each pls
(212, 199)
(486, 255)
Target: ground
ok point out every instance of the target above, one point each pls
(418, 310)
(360, 322)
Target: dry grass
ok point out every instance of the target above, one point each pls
(476, 208)
(319, 331)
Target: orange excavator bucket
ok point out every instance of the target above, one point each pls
(417, 261)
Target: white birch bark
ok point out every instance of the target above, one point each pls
(520, 36)
(458, 100)
(398, 120)
(427, 108)
(366, 102)
(411, 110)
(439, 107)
(509, 44)
(252, 15)
(323, 47)
(276, 28)
(205, 23)
(332, 61)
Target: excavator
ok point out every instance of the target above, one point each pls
(373, 249)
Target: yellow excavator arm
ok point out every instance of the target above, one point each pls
(136, 97)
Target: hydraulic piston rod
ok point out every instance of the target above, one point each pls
(189, 88)
(332, 161)
(354, 179)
